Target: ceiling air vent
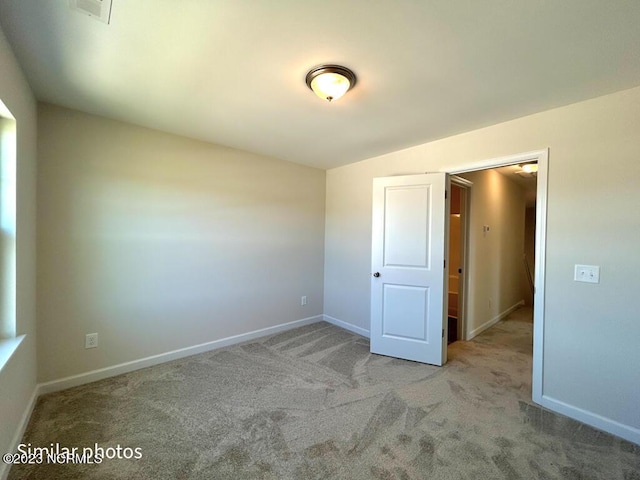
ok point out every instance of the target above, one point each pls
(98, 9)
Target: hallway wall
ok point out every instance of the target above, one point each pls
(495, 267)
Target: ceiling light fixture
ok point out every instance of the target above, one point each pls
(330, 82)
(530, 167)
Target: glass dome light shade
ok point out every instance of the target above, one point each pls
(330, 82)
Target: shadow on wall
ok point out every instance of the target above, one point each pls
(530, 248)
(158, 242)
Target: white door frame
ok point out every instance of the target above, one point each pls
(542, 157)
(466, 185)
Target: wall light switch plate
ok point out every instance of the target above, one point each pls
(98, 9)
(587, 273)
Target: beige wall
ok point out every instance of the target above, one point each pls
(158, 242)
(495, 266)
(18, 377)
(590, 349)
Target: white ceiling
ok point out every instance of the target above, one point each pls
(232, 71)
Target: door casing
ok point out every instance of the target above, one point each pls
(542, 158)
(466, 186)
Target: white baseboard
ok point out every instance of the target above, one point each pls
(493, 321)
(347, 326)
(17, 438)
(95, 375)
(627, 432)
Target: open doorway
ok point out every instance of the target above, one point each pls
(491, 248)
(541, 157)
(409, 249)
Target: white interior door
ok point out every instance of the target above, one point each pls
(409, 275)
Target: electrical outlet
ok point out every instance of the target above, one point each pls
(303, 300)
(91, 340)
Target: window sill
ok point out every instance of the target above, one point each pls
(8, 348)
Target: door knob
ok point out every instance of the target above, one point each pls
(377, 274)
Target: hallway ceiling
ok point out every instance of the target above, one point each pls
(528, 183)
(232, 72)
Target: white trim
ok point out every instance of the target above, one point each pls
(461, 182)
(605, 424)
(100, 374)
(24, 421)
(490, 323)
(347, 326)
(465, 226)
(498, 162)
(8, 347)
(539, 272)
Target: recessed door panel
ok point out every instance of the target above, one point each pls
(406, 232)
(404, 312)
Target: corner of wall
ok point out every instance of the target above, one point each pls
(18, 377)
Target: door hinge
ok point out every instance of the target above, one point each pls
(445, 194)
(445, 263)
(443, 333)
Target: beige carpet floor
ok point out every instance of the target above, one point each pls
(313, 403)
